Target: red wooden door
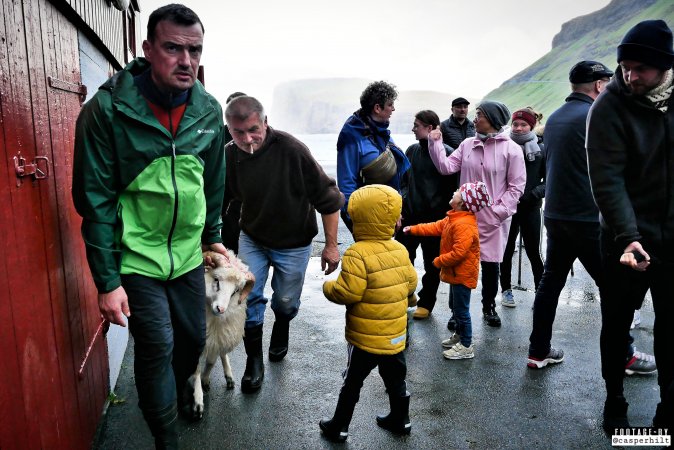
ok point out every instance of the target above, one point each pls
(47, 300)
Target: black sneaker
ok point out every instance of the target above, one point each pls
(492, 319)
(553, 357)
(451, 325)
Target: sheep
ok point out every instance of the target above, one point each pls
(227, 286)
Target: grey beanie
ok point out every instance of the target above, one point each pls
(648, 42)
(496, 113)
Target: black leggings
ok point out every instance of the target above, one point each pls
(489, 284)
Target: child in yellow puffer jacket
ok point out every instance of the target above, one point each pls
(376, 280)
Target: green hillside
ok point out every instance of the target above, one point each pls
(544, 85)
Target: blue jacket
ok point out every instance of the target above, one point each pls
(566, 163)
(359, 143)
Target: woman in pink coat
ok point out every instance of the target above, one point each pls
(492, 157)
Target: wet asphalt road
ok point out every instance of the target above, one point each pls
(491, 401)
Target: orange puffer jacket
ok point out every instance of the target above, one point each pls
(459, 260)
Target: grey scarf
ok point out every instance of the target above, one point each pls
(528, 142)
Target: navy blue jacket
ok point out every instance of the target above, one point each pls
(567, 184)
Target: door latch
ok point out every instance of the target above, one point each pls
(38, 169)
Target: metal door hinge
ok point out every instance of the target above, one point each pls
(39, 168)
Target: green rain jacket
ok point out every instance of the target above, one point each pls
(148, 200)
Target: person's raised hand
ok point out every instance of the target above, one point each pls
(435, 134)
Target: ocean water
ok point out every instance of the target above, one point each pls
(324, 148)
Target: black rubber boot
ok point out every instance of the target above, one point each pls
(254, 373)
(278, 345)
(162, 424)
(337, 428)
(615, 414)
(398, 420)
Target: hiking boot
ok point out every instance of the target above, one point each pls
(452, 341)
(636, 320)
(459, 352)
(508, 299)
(615, 415)
(640, 364)
(490, 316)
(421, 313)
(451, 324)
(554, 356)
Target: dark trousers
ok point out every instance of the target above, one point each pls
(567, 240)
(528, 223)
(168, 325)
(430, 247)
(489, 284)
(624, 292)
(392, 369)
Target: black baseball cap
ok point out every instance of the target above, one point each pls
(460, 101)
(588, 71)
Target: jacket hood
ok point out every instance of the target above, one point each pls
(374, 209)
(357, 124)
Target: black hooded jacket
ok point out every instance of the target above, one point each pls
(630, 149)
(426, 193)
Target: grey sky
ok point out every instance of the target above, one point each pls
(466, 47)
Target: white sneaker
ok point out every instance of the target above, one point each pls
(508, 299)
(459, 352)
(636, 320)
(452, 341)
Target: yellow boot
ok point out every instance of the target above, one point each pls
(421, 313)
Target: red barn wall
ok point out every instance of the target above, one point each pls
(48, 302)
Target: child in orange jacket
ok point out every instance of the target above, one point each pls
(459, 260)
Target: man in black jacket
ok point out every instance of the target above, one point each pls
(629, 149)
(457, 127)
(281, 187)
(571, 221)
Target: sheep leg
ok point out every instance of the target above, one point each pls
(229, 376)
(198, 403)
(208, 367)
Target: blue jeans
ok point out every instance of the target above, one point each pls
(289, 265)
(460, 296)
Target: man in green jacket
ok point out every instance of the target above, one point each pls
(148, 181)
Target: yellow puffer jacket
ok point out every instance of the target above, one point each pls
(377, 276)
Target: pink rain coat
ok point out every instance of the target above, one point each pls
(499, 163)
